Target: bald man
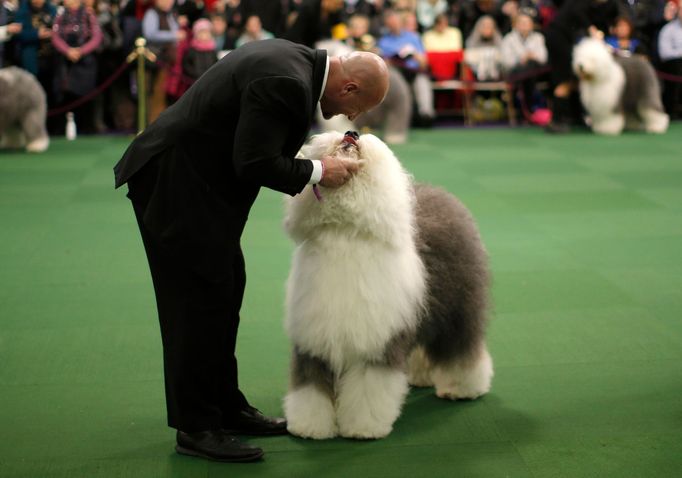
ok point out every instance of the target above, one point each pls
(192, 178)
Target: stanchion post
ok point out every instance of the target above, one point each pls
(141, 53)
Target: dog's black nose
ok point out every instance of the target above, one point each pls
(352, 134)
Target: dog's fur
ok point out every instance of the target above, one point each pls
(388, 286)
(22, 111)
(618, 92)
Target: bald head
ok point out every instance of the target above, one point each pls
(370, 71)
(357, 82)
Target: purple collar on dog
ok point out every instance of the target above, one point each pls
(317, 193)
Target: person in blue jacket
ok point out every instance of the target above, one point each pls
(36, 53)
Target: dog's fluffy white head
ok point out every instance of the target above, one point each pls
(592, 61)
(377, 202)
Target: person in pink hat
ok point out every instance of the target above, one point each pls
(201, 54)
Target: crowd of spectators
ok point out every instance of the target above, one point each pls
(73, 45)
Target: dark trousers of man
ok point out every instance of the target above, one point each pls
(199, 317)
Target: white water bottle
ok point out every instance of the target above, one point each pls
(70, 127)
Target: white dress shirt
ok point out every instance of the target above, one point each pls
(316, 176)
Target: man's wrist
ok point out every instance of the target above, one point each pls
(318, 171)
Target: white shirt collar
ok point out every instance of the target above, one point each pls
(324, 82)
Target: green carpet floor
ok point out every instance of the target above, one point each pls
(585, 239)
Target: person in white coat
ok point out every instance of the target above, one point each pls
(670, 52)
(524, 53)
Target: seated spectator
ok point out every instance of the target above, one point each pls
(621, 37)
(523, 47)
(409, 19)
(482, 50)
(670, 52)
(273, 14)
(428, 11)
(442, 37)
(358, 31)
(443, 45)
(76, 36)
(647, 17)
(253, 31)
(370, 9)
(523, 51)
(201, 54)
(509, 9)
(404, 50)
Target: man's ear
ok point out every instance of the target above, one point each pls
(350, 87)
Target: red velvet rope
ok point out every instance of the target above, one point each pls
(87, 97)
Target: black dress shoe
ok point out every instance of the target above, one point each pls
(216, 445)
(250, 421)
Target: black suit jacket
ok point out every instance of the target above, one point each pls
(236, 129)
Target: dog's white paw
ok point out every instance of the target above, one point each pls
(464, 381)
(655, 122)
(369, 401)
(610, 125)
(364, 430)
(310, 413)
(38, 145)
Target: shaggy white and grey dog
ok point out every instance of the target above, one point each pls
(22, 111)
(388, 287)
(618, 92)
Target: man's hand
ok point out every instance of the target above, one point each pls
(337, 171)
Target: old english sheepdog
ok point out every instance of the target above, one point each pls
(618, 92)
(22, 111)
(388, 287)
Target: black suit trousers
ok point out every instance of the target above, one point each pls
(199, 319)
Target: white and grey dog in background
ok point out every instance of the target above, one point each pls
(618, 92)
(388, 287)
(23, 109)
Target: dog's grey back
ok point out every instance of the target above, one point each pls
(642, 89)
(19, 93)
(457, 273)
